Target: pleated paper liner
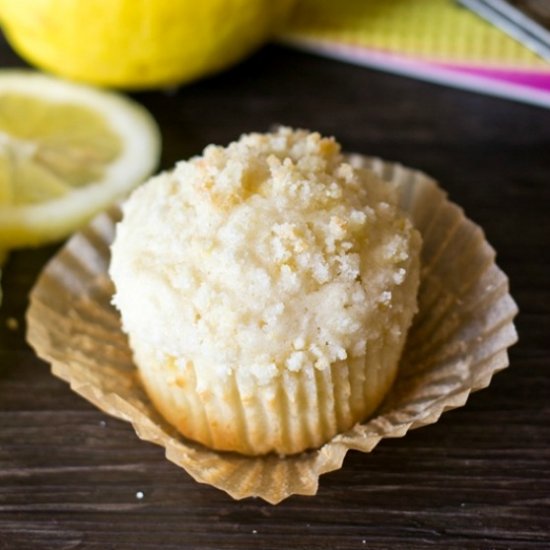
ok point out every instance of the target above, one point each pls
(458, 340)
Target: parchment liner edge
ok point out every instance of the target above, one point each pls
(458, 341)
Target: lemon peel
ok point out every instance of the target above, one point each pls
(146, 44)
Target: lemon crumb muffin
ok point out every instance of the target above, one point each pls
(266, 289)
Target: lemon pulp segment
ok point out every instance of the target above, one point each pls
(46, 149)
(66, 151)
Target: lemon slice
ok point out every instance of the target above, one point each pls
(66, 152)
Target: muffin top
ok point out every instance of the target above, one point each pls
(268, 255)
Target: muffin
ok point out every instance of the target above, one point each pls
(266, 289)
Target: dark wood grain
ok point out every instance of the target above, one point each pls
(479, 478)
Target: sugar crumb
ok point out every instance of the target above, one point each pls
(272, 259)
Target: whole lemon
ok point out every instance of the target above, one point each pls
(138, 44)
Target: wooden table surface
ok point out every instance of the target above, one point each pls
(479, 478)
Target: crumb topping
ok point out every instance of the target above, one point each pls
(267, 255)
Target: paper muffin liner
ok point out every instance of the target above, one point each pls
(458, 340)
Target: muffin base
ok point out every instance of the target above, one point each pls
(297, 411)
